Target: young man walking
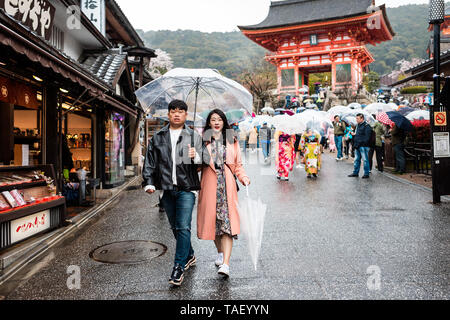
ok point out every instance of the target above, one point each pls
(361, 143)
(171, 165)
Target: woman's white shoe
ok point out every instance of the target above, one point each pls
(219, 260)
(224, 270)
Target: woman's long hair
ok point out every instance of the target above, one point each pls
(228, 133)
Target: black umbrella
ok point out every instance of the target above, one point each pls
(406, 110)
(400, 121)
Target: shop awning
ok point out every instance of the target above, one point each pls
(41, 52)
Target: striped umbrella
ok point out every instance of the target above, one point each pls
(384, 119)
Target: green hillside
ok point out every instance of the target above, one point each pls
(410, 25)
(232, 52)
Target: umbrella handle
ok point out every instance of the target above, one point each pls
(246, 189)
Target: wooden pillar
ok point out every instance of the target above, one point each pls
(296, 75)
(333, 76)
(279, 78)
(354, 73)
(51, 126)
(6, 133)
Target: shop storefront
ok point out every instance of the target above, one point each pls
(58, 117)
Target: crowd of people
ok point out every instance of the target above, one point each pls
(361, 142)
(186, 165)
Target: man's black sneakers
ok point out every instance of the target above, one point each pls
(191, 262)
(177, 276)
(353, 175)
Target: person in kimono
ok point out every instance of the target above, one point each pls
(285, 154)
(312, 153)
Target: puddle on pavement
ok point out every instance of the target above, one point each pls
(128, 252)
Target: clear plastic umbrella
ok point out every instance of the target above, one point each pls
(201, 89)
(354, 105)
(367, 116)
(376, 108)
(252, 214)
(337, 111)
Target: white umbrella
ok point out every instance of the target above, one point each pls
(259, 120)
(252, 214)
(246, 125)
(367, 116)
(354, 105)
(268, 110)
(337, 110)
(289, 124)
(376, 108)
(418, 115)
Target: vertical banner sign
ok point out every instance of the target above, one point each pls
(95, 11)
(38, 15)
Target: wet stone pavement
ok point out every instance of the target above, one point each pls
(331, 238)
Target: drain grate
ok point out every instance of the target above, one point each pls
(128, 252)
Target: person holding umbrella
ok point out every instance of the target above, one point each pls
(168, 166)
(217, 214)
(398, 141)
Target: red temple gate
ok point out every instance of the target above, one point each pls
(315, 36)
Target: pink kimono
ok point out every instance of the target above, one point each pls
(331, 142)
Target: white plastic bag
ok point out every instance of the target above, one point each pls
(252, 215)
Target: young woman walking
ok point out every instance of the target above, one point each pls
(217, 215)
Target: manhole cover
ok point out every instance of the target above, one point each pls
(128, 252)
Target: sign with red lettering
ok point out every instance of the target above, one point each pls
(440, 119)
(28, 226)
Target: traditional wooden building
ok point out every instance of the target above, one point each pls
(314, 36)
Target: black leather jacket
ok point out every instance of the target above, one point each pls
(158, 164)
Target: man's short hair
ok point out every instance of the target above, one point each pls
(360, 115)
(178, 104)
(336, 116)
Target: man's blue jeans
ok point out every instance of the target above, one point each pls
(400, 160)
(362, 153)
(266, 148)
(338, 142)
(179, 206)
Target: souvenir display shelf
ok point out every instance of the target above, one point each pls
(29, 203)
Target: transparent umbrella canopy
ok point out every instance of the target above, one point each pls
(202, 90)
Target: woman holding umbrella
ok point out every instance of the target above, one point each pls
(217, 215)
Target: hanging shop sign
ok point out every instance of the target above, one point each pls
(18, 93)
(95, 11)
(38, 15)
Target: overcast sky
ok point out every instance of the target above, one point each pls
(206, 15)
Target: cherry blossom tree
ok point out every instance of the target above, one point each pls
(161, 64)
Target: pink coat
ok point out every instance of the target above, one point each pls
(207, 200)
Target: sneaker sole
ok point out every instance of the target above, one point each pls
(190, 264)
(226, 275)
(177, 283)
